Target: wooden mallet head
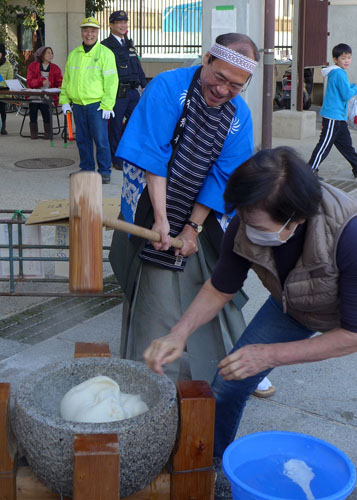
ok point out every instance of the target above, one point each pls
(85, 233)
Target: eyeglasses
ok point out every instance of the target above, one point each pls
(233, 87)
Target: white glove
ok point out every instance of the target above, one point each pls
(66, 107)
(107, 114)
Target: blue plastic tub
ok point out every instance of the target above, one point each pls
(314, 469)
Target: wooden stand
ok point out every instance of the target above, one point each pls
(94, 455)
(7, 448)
(188, 476)
(192, 476)
(91, 350)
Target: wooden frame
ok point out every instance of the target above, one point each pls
(188, 475)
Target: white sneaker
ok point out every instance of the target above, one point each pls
(265, 389)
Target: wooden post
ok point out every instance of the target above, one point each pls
(91, 350)
(192, 474)
(96, 474)
(7, 448)
(29, 487)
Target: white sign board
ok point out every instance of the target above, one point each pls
(224, 20)
(15, 84)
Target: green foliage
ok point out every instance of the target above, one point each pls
(94, 6)
(30, 15)
(32, 12)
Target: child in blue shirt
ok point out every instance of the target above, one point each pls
(334, 111)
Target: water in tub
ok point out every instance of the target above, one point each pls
(284, 477)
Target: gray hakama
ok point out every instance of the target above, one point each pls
(161, 296)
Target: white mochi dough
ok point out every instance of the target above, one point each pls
(301, 474)
(99, 399)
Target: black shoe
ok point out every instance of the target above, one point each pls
(105, 178)
(118, 166)
(3, 131)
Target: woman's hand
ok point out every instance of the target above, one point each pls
(163, 351)
(247, 361)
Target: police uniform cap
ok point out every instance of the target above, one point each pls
(90, 21)
(118, 15)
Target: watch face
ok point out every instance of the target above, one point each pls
(199, 228)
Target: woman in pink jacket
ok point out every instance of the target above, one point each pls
(42, 74)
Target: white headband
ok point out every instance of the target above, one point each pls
(233, 57)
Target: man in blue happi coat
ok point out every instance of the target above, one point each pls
(189, 132)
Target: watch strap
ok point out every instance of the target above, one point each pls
(195, 226)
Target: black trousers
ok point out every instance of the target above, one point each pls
(34, 107)
(3, 113)
(334, 132)
(123, 107)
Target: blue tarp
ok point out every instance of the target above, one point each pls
(186, 17)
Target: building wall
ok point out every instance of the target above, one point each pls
(62, 27)
(342, 28)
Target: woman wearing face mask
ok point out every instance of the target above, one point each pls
(300, 237)
(7, 73)
(42, 74)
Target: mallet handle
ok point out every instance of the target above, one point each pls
(142, 232)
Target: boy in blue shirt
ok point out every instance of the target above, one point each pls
(334, 111)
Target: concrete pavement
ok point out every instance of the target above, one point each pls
(316, 398)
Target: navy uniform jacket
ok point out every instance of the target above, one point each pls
(127, 61)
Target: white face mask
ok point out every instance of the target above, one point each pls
(266, 238)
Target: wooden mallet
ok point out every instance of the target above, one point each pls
(86, 233)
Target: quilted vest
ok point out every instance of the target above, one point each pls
(310, 293)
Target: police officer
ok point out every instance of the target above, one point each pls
(131, 78)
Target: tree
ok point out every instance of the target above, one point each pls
(32, 12)
(94, 6)
(9, 15)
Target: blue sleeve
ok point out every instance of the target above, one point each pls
(346, 258)
(345, 89)
(231, 270)
(237, 148)
(146, 140)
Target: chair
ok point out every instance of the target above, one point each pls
(25, 111)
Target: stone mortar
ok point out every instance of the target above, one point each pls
(145, 441)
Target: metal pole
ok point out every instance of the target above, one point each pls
(268, 78)
(301, 55)
(294, 65)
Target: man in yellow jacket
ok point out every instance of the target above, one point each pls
(90, 82)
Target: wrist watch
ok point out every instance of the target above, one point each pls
(195, 226)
